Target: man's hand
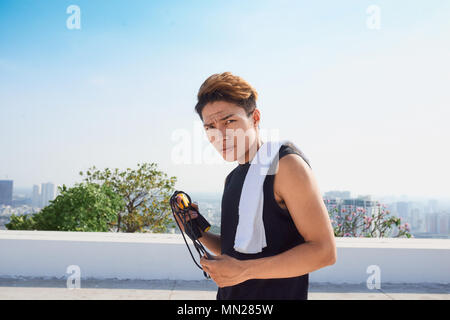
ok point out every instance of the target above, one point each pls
(225, 270)
(188, 216)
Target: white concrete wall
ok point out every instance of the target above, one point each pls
(164, 256)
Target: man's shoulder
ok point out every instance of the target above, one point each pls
(292, 166)
(292, 175)
(290, 151)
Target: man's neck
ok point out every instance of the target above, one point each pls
(251, 152)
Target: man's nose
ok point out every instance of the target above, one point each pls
(227, 135)
(222, 130)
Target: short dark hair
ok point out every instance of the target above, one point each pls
(226, 87)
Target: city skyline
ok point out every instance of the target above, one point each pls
(426, 218)
(345, 194)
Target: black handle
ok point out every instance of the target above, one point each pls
(202, 223)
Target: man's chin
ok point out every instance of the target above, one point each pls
(229, 159)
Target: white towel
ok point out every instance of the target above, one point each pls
(250, 233)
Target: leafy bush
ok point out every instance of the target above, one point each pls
(358, 223)
(85, 207)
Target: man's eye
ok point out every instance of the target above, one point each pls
(230, 121)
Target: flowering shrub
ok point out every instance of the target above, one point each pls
(357, 222)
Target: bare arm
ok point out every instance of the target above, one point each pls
(299, 190)
(211, 241)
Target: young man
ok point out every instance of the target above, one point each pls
(298, 231)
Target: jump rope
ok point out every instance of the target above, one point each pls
(180, 202)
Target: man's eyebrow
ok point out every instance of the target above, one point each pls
(224, 118)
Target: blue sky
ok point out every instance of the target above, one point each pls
(368, 107)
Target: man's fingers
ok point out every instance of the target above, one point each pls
(192, 212)
(205, 268)
(191, 215)
(205, 262)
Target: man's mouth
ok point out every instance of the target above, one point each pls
(227, 148)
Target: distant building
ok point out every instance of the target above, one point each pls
(349, 205)
(443, 223)
(337, 194)
(417, 221)
(433, 205)
(364, 197)
(6, 192)
(47, 193)
(403, 209)
(42, 195)
(36, 197)
(432, 222)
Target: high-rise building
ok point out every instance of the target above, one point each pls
(432, 222)
(403, 209)
(6, 192)
(47, 193)
(417, 220)
(433, 205)
(36, 197)
(337, 194)
(443, 223)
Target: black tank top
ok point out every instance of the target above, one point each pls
(281, 235)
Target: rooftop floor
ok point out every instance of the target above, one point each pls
(51, 289)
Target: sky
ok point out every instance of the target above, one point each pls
(368, 106)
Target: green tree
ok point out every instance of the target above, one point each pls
(86, 207)
(146, 193)
(23, 222)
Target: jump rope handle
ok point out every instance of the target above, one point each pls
(197, 225)
(180, 203)
(202, 223)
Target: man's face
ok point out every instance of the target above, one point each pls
(229, 129)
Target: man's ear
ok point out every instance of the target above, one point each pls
(256, 117)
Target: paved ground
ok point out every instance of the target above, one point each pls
(49, 289)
